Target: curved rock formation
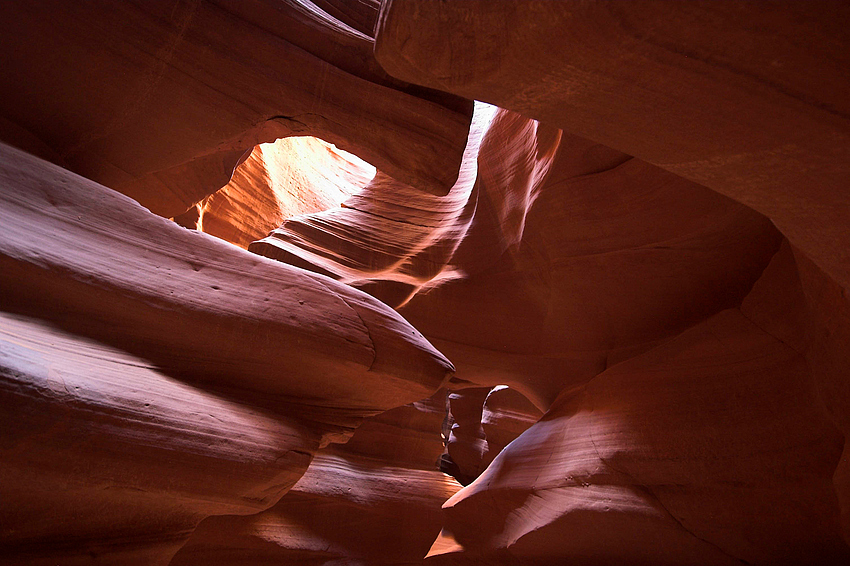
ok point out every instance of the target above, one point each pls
(509, 242)
(727, 95)
(712, 448)
(466, 442)
(637, 264)
(292, 176)
(160, 100)
(109, 460)
(389, 239)
(133, 337)
(506, 414)
(746, 98)
(373, 500)
(483, 421)
(700, 256)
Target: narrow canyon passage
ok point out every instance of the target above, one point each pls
(404, 282)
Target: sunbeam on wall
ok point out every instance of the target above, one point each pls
(292, 176)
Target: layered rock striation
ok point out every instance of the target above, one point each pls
(374, 500)
(160, 100)
(293, 176)
(634, 253)
(746, 98)
(153, 376)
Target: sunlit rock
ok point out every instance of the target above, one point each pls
(130, 338)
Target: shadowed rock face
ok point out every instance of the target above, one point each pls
(746, 98)
(636, 263)
(729, 95)
(699, 451)
(483, 422)
(520, 274)
(373, 500)
(161, 99)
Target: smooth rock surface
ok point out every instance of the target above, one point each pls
(155, 375)
(108, 460)
(373, 500)
(630, 470)
(196, 305)
(161, 99)
(746, 98)
(555, 309)
(637, 263)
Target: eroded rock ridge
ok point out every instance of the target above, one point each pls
(363, 282)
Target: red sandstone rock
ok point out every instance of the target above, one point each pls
(231, 365)
(194, 304)
(713, 448)
(160, 99)
(746, 98)
(483, 422)
(506, 414)
(466, 443)
(693, 364)
(693, 250)
(389, 239)
(801, 306)
(292, 176)
(510, 243)
(727, 94)
(374, 500)
(108, 460)
(557, 308)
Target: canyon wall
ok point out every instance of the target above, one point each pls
(577, 294)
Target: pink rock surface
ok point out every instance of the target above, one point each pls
(483, 421)
(389, 239)
(211, 309)
(638, 265)
(467, 443)
(556, 309)
(107, 459)
(725, 94)
(537, 231)
(155, 364)
(506, 414)
(374, 500)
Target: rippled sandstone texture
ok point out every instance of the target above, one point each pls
(668, 452)
(646, 241)
(292, 176)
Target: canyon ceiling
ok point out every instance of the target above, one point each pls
(419, 282)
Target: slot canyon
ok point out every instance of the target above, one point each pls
(424, 282)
